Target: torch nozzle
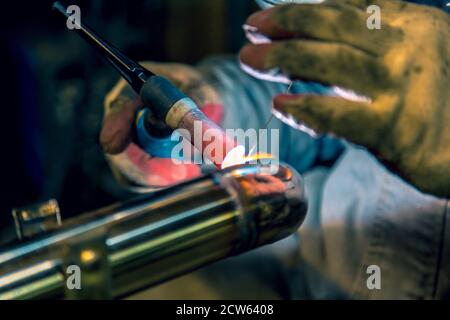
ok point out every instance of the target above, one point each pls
(166, 101)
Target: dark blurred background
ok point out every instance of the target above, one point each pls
(54, 85)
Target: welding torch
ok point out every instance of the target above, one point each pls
(166, 102)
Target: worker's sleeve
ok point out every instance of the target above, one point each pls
(369, 234)
(247, 102)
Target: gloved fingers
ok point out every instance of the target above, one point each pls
(136, 166)
(333, 22)
(122, 92)
(122, 102)
(188, 79)
(179, 74)
(116, 132)
(328, 63)
(358, 122)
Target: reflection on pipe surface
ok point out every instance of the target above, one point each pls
(155, 237)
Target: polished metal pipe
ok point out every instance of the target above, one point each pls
(155, 237)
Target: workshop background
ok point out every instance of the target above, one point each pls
(54, 84)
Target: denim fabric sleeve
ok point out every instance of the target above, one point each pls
(362, 215)
(248, 102)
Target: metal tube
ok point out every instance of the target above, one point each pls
(153, 238)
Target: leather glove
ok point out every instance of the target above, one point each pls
(131, 164)
(404, 68)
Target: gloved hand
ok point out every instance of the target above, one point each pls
(129, 162)
(404, 68)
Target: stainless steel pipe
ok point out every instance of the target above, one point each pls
(155, 237)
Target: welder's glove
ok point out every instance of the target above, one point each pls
(404, 68)
(129, 162)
